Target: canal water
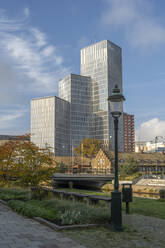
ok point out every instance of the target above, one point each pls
(145, 195)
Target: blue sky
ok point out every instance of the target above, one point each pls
(41, 41)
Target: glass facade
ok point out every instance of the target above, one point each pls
(77, 90)
(50, 124)
(43, 122)
(62, 127)
(103, 63)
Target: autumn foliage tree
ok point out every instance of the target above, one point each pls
(7, 164)
(24, 161)
(88, 147)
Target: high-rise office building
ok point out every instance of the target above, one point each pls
(50, 124)
(129, 132)
(76, 89)
(103, 63)
(87, 112)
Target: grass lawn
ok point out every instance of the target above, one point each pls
(83, 191)
(148, 207)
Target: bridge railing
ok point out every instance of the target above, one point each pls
(89, 171)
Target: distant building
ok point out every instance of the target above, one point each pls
(102, 62)
(129, 132)
(155, 147)
(76, 90)
(149, 146)
(50, 124)
(140, 146)
(6, 138)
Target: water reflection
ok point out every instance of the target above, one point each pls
(150, 196)
(144, 195)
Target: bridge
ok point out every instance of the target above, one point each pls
(81, 181)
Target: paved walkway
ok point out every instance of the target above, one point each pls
(19, 232)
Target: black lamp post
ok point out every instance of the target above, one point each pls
(116, 108)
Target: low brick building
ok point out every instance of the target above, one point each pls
(101, 163)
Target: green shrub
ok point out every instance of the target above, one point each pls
(84, 214)
(62, 211)
(29, 210)
(13, 190)
(17, 194)
(69, 217)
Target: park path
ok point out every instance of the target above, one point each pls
(17, 231)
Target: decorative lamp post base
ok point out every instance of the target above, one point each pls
(116, 211)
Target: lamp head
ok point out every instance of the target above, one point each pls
(115, 101)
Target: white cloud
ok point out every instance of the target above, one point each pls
(30, 66)
(119, 13)
(41, 39)
(146, 33)
(38, 61)
(150, 129)
(136, 19)
(8, 117)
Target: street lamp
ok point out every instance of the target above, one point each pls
(116, 108)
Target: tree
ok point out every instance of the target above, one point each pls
(61, 167)
(36, 167)
(88, 147)
(7, 163)
(24, 161)
(129, 167)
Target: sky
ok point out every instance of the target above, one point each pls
(41, 40)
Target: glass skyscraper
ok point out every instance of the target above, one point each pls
(76, 89)
(50, 124)
(86, 112)
(103, 63)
